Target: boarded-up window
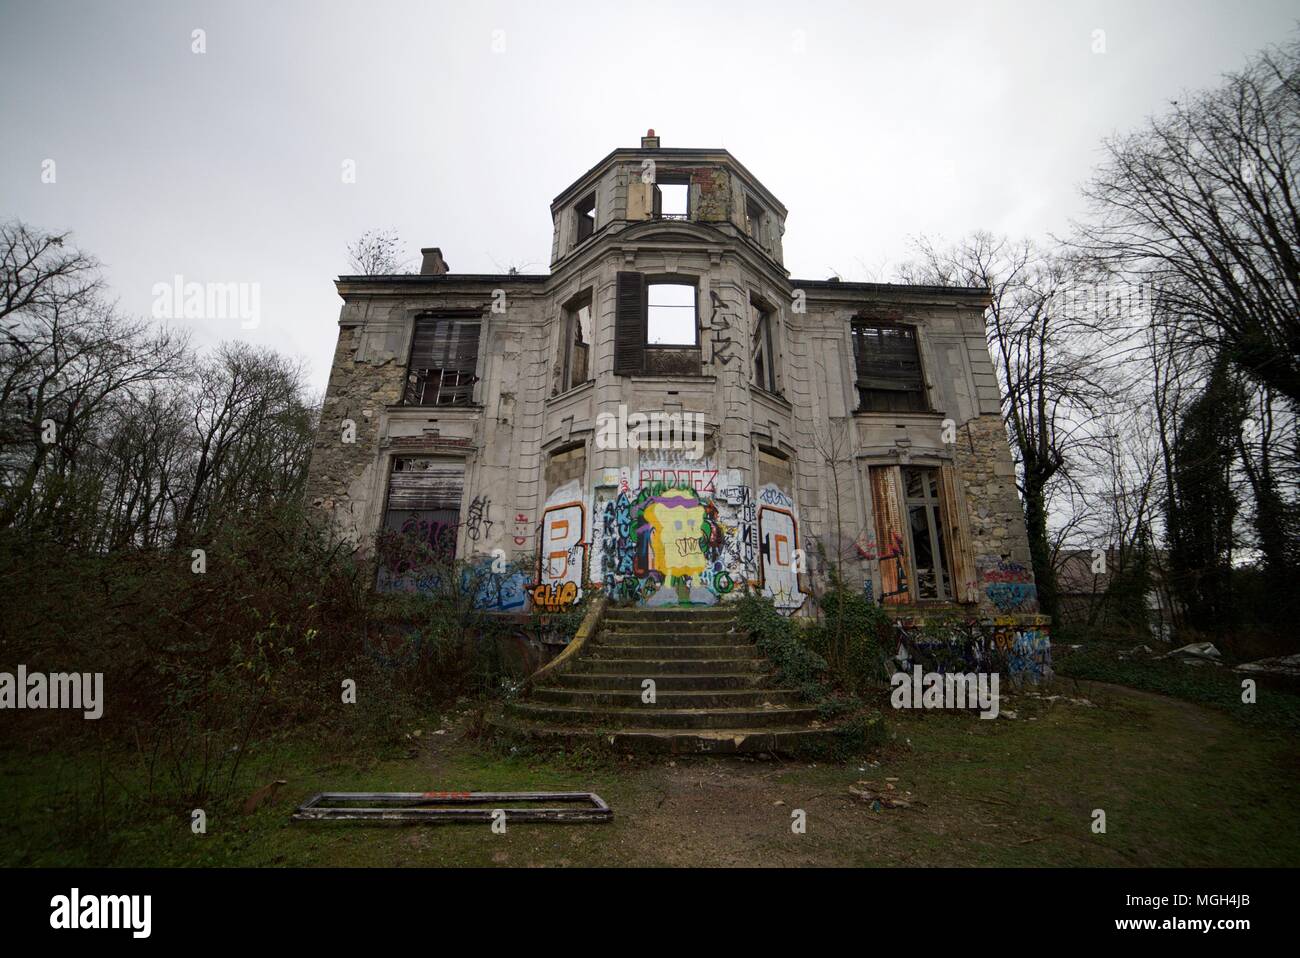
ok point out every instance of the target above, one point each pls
(888, 369)
(566, 465)
(421, 518)
(891, 536)
(774, 469)
(444, 356)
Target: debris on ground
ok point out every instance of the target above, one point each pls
(869, 793)
(261, 796)
(1195, 654)
(1279, 666)
(1007, 713)
(1136, 651)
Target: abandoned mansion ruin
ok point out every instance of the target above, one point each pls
(669, 417)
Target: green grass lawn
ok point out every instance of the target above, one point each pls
(1180, 783)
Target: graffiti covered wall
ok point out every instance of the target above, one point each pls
(664, 535)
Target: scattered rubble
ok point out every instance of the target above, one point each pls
(869, 793)
(1195, 654)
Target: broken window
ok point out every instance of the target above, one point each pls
(764, 373)
(928, 536)
(585, 210)
(672, 199)
(444, 355)
(656, 326)
(888, 369)
(577, 343)
(421, 520)
(670, 314)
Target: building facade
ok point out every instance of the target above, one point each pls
(669, 417)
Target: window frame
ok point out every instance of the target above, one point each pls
(860, 324)
(764, 319)
(467, 390)
(586, 216)
(664, 280)
(572, 309)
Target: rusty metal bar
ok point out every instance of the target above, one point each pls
(422, 807)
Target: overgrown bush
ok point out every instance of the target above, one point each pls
(851, 636)
(798, 667)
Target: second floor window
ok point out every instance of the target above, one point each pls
(887, 369)
(764, 374)
(577, 343)
(444, 356)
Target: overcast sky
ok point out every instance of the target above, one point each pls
(873, 122)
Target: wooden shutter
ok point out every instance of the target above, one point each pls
(961, 555)
(629, 325)
(891, 536)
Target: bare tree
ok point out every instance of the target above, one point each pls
(1053, 383)
(1202, 207)
(377, 253)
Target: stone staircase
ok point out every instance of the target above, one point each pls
(714, 692)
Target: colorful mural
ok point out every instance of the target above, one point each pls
(562, 553)
(1007, 584)
(693, 537)
(778, 532)
(1018, 647)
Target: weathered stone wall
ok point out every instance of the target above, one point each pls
(1005, 579)
(342, 473)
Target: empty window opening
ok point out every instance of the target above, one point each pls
(888, 369)
(577, 342)
(586, 212)
(754, 220)
(444, 355)
(764, 372)
(670, 315)
(672, 200)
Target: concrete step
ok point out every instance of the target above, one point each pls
(652, 667)
(736, 741)
(664, 699)
(671, 638)
(661, 718)
(664, 682)
(692, 614)
(670, 627)
(666, 651)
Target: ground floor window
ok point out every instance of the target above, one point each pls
(921, 543)
(421, 519)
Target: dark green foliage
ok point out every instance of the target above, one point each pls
(852, 638)
(1210, 685)
(1202, 504)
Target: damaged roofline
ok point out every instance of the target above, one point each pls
(972, 292)
(443, 278)
(678, 152)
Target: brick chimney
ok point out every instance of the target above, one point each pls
(433, 263)
(649, 141)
